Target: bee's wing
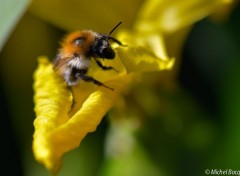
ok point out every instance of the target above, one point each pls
(60, 61)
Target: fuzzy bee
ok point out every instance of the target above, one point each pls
(77, 49)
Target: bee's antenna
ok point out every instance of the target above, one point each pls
(114, 28)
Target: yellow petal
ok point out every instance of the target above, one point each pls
(87, 118)
(57, 129)
(172, 15)
(222, 13)
(75, 14)
(144, 52)
(52, 103)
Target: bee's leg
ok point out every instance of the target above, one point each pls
(104, 67)
(91, 79)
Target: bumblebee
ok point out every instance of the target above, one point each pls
(73, 60)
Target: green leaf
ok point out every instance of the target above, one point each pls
(10, 13)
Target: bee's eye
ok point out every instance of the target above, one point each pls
(79, 41)
(101, 43)
(102, 49)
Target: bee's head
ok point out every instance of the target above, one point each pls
(102, 48)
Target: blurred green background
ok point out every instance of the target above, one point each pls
(197, 129)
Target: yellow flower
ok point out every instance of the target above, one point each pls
(64, 116)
